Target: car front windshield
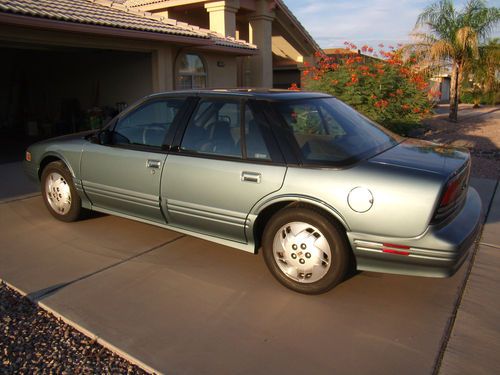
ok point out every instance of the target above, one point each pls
(328, 131)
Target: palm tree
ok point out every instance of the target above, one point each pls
(449, 36)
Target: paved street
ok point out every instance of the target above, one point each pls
(186, 306)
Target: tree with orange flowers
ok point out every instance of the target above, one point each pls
(380, 84)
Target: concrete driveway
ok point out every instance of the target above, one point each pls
(186, 306)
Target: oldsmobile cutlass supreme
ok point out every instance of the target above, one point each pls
(316, 185)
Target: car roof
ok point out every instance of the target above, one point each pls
(263, 94)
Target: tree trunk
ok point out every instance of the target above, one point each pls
(454, 84)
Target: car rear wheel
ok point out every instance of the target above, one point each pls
(59, 193)
(305, 251)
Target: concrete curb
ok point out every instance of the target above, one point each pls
(87, 333)
(19, 197)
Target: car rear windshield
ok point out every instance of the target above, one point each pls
(328, 131)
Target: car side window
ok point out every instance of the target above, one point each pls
(255, 145)
(306, 119)
(214, 129)
(148, 125)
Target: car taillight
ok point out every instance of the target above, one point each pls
(452, 190)
(453, 196)
(28, 156)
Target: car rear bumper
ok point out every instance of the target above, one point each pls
(439, 252)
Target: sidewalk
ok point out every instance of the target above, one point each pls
(474, 343)
(477, 129)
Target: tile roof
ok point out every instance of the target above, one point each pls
(340, 51)
(112, 14)
(138, 3)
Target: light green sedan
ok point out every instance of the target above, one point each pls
(314, 184)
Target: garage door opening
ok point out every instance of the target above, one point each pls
(49, 91)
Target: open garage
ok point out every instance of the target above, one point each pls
(47, 91)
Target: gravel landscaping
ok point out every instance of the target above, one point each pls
(33, 341)
(478, 129)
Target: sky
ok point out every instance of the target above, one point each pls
(332, 22)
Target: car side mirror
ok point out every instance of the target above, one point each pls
(104, 137)
(101, 138)
(94, 138)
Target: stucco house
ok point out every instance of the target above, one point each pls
(69, 64)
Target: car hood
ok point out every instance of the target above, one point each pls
(425, 156)
(68, 137)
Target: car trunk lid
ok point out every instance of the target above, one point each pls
(426, 156)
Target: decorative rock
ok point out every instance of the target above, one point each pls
(35, 342)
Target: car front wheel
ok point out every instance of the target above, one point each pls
(59, 193)
(305, 251)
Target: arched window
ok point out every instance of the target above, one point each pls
(190, 72)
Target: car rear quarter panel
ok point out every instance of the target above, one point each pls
(403, 199)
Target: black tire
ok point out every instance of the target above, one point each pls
(326, 229)
(71, 209)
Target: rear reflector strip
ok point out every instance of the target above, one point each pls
(395, 246)
(397, 252)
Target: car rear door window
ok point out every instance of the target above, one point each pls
(148, 125)
(214, 129)
(254, 140)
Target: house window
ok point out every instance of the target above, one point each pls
(190, 72)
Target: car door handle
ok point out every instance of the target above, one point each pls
(153, 164)
(251, 177)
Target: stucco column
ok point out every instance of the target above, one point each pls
(260, 33)
(223, 16)
(162, 69)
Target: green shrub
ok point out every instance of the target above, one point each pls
(467, 97)
(490, 98)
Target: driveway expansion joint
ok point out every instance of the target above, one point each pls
(490, 245)
(19, 198)
(490, 205)
(37, 296)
